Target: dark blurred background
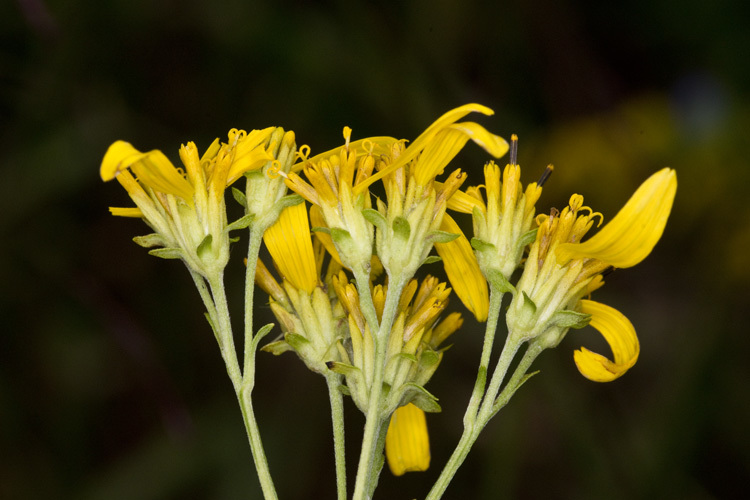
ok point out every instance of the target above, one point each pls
(111, 385)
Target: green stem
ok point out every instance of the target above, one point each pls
(224, 329)
(379, 461)
(366, 305)
(475, 421)
(496, 299)
(256, 445)
(337, 418)
(256, 237)
(242, 386)
(374, 420)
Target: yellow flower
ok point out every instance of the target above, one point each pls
(561, 269)
(186, 208)
(407, 445)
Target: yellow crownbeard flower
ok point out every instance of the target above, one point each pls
(561, 269)
(186, 207)
(290, 245)
(407, 444)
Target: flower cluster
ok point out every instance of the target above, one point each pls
(343, 262)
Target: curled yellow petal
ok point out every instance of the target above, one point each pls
(407, 445)
(290, 245)
(619, 333)
(635, 230)
(425, 138)
(152, 169)
(463, 270)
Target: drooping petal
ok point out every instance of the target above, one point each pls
(463, 270)
(152, 169)
(425, 138)
(635, 230)
(619, 333)
(407, 444)
(290, 245)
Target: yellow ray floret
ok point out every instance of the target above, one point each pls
(407, 445)
(619, 333)
(463, 270)
(290, 246)
(635, 230)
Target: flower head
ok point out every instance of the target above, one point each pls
(186, 207)
(561, 270)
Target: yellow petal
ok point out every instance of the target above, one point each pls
(463, 202)
(635, 230)
(463, 270)
(249, 153)
(619, 333)
(152, 169)
(407, 445)
(126, 211)
(289, 243)
(421, 142)
(317, 220)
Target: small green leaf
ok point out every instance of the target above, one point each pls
(342, 368)
(498, 282)
(429, 358)
(570, 319)
(527, 302)
(407, 356)
(422, 399)
(431, 259)
(296, 340)
(316, 229)
(277, 348)
(205, 246)
(441, 236)
(241, 223)
(239, 197)
(166, 253)
(150, 240)
(481, 245)
(375, 218)
(401, 228)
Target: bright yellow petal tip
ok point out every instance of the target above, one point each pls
(619, 333)
(290, 245)
(463, 271)
(635, 230)
(407, 445)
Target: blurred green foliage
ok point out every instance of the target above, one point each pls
(110, 383)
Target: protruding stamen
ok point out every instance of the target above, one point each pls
(545, 175)
(514, 149)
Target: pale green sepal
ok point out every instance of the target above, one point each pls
(316, 229)
(343, 368)
(422, 399)
(296, 340)
(166, 253)
(440, 237)
(150, 240)
(262, 332)
(239, 197)
(431, 259)
(205, 246)
(277, 348)
(375, 218)
(499, 283)
(407, 356)
(570, 319)
(401, 228)
(430, 358)
(481, 246)
(527, 238)
(241, 223)
(528, 304)
(344, 390)
(234, 239)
